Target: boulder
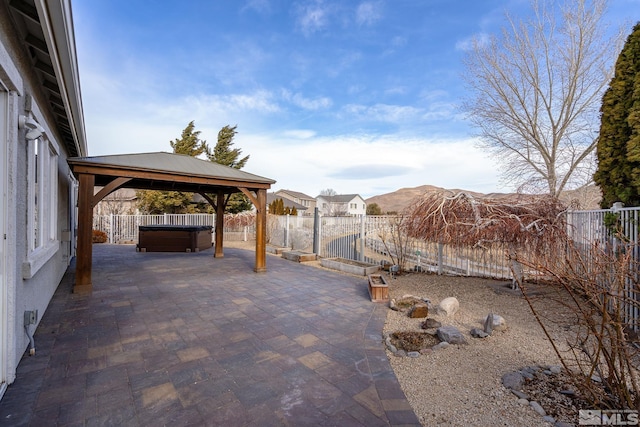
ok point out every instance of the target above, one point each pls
(451, 334)
(406, 303)
(513, 380)
(448, 306)
(478, 333)
(419, 311)
(430, 323)
(495, 321)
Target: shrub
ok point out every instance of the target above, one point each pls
(99, 236)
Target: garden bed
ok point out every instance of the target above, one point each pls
(298, 256)
(349, 266)
(378, 288)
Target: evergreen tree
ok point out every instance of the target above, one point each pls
(223, 154)
(618, 151)
(373, 209)
(158, 202)
(189, 143)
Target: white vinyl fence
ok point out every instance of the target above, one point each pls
(369, 238)
(124, 228)
(590, 234)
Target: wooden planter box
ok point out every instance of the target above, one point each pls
(349, 266)
(298, 256)
(174, 238)
(278, 250)
(378, 288)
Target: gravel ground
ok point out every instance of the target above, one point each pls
(461, 385)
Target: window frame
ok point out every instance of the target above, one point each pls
(42, 207)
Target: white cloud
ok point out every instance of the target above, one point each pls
(299, 100)
(367, 165)
(368, 13)
(299, 133)
(312, 17)
(382, 112)
(466, 44)
(260, 6)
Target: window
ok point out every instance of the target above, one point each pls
(43, 204)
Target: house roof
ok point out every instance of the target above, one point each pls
(287, 202)
(166, 171)
(296, 194)
(340, 198)
(46, 30)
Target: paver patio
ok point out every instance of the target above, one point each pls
(187, 339)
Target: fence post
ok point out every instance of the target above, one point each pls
(166, 219)
(362, 221)
(286, 231)
(316, 231)
(111, 228)
(440, 258)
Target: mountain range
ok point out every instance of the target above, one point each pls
(587, 197)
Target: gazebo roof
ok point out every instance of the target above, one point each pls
(166, 171)
(163, 171)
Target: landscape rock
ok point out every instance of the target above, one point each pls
(430, 323)
(478, 333)
(448, 306)
(451, 334)
(536, 407)
(497, 322)
(406, 303)
(555, 369)
(520, 394)
(513, 380)
(438, 346)
(488, 324)
(419, 311)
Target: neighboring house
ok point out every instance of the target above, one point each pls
(287, 203)
(41, 125)
(341, 205)
(302, 199)
(121, 202)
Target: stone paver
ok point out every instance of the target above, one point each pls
(185, 339)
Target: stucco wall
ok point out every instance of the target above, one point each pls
(35, 293)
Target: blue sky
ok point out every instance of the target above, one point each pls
(357, 96)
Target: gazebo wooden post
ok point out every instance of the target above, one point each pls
(261, 231)
(85, 238)
(219, 250)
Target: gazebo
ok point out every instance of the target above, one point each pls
(163, 171)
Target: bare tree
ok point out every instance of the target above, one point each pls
(328, 192)
(536, 91)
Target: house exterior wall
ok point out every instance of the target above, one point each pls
(308, 202)
(357, 206)
(31, 276)
(329, 206)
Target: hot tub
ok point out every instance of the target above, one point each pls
(174, 238)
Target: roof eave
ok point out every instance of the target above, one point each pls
(57, 26)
